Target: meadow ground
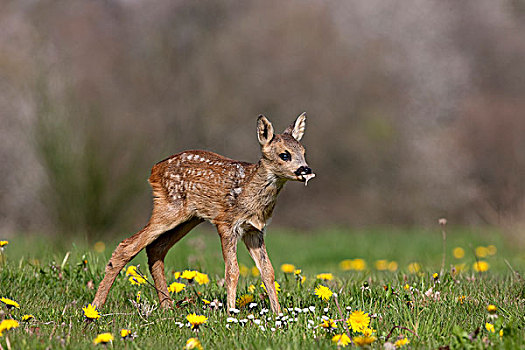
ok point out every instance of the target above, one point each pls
(392, 275)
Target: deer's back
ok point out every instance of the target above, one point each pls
(204, 183)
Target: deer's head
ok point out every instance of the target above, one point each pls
(282, 153)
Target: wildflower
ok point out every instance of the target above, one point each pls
(325, 276)
(414, 267)
(492, 308)
(251, 288)
(490, 327)
(461, 299)
(323, 292)
(362, 341)
(137, 299)
(481, 252)
(26, 318)
(297, 272)
(207, 302)
(201, 278)
(481, 266)
(287, 268)
(406, 287)
(103, 338)
(99, 247)
(137, 280)
(193, 343)
(255, 271)
(492, 250)
(381, 265)
(10, 303)
(91, 312)
(277, 287)
(244, 300)
(401, 342)
(359, 264)
(501, 333)
(435, 276)
(392, 266)
(125, 333)
(346, 265)
(131, 271)
(460, 267)
(458, 252)
(189, 275)
(243, 270)
(358, 320)
(3, 243)
(6, 325)
(442, 221)
(176, 274)
(328, 324)
(196, 320)
(341, 340)
(367, 332)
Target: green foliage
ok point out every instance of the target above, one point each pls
(445, 311)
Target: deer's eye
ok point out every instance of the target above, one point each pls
(286, 156)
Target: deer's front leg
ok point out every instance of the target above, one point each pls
(229, 253)
(254, 241)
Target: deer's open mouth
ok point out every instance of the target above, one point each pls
(306, 177)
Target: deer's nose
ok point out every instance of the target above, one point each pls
(304, 170)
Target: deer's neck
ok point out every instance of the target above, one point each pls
(261, 193)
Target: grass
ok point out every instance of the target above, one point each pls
(53, 279)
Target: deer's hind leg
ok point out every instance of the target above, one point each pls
(157, 252)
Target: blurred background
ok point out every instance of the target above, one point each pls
(416, 110)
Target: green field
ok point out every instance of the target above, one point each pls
(53, 279)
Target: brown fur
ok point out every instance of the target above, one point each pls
(237, 197)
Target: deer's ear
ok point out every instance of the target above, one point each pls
(264, 130)
(296, 129)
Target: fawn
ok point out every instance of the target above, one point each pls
(237, 197)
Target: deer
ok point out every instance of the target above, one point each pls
(237, 197)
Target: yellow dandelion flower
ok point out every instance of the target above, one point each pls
(358, 320)
(201, 278)
(297, 272)
(99, 247)
(193, 343)
(103, 338)
(137, 280)
(287, 268)
(346, 265)
(401, 342)
(131, 271)
(255, 271)
(435, 275)
(8, 324)
(125, 333)
(325, 276)
(490, 327)
(244, 300)
(91, 312)
(381, 265)
(328, 324)
(277, 287)
(188, 274)
(461, 299)
(303, 278)
(458, 253)
(196, 320)
(481, 266)
(176, 274)
(176, 287)
(481, 252)
(368, 332)
(363, 341)
(501, 333)
(492, 308)
(243, 270)
(414, 267)
(341, 340)
(10, 303)
(492, 250)
(251, 288)
(323, 292)
(359, 264)
(27, 318)
(392, 266)
(3, 243)
(406, 287)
